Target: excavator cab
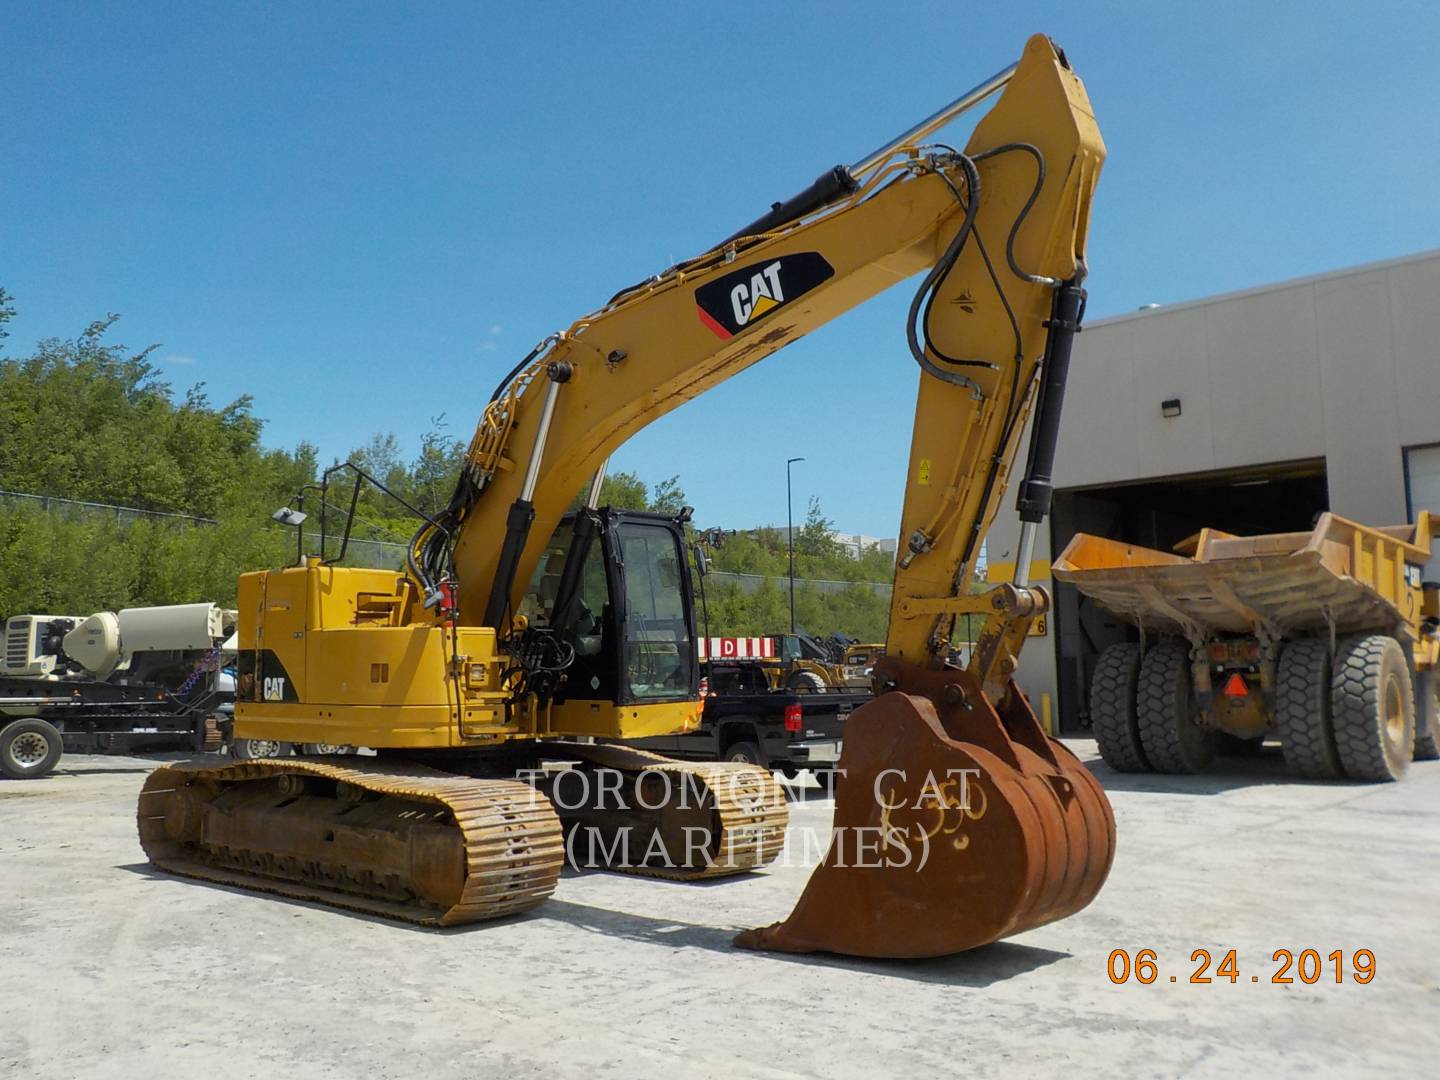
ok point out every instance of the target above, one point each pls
(612, 586)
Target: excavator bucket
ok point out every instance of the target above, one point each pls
(957, 822)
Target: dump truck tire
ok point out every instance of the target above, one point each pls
(29, 749)
(1112, 709)
(1170, 731)
(1372, 703)
(1302, 710)
(1427, 717)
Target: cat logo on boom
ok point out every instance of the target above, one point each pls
(743, 297)
(764, 293)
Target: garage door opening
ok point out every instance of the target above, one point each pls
(1159, 514)
(1422, 492)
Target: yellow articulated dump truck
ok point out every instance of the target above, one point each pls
(1326, 640)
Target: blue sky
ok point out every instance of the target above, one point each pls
(362, 214)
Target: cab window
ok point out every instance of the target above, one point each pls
(659, 656)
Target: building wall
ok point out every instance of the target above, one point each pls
(1344, 366)
(855, 544)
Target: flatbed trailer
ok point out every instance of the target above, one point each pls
(40, 720)
(1326, 639)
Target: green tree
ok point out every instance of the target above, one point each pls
(433, 473)
(626, 491)
(7, 312)
(858, 610)
(669, 497)
(89, 420)
(813, 539)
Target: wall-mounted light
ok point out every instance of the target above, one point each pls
(1170, 408)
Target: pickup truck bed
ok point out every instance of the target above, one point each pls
(782, 729)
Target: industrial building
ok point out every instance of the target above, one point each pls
(1251, 412)
(856, 544)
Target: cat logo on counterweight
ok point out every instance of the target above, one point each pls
(729, 304)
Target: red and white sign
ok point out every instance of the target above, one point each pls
(736, 648)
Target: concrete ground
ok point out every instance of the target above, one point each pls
(109, 970)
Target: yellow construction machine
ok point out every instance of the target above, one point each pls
(1328, 640)
(522, 640)
(858, 661)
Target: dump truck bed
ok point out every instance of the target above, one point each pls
(1341, 573)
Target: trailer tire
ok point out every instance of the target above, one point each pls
(1303, 718)
(30, 749)
(258, 749)
(1112, 709)
(325, 749)
(1170, 731)
(1427, 717)
(1372, 701)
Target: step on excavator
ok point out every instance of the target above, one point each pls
(498, 674)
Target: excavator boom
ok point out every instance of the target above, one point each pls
(896, 213)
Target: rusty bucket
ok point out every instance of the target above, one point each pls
(957, 822)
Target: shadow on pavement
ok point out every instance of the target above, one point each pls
(570, 871)
(1265, 769)
(102, 764)
(180, 880)
(978, 968)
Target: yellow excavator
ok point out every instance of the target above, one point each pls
(496, 675)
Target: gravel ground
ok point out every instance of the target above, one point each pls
(110, 970)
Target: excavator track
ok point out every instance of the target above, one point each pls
(740, 808)
(401, 841)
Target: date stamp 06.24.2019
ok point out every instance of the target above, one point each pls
(1287, 967)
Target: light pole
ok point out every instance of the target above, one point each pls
(790, 536)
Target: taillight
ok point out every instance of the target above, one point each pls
(792, 717)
